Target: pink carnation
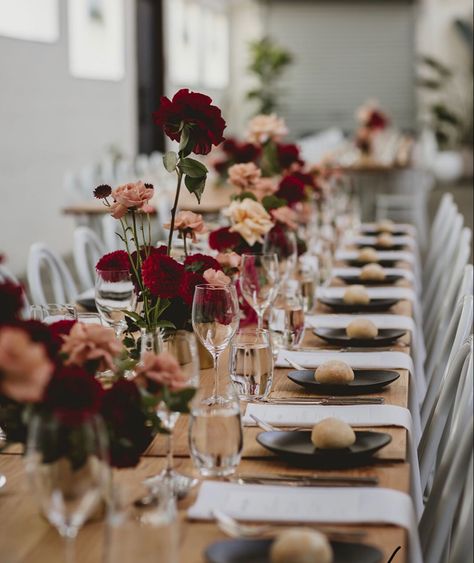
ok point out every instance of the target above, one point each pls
(215, 277)
(130, 196)
(228, 259)
(264, 187)
(161, 369)
(244, 176)
(189, 223)
(285, 216)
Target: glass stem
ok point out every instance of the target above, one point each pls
(215, 357)
(260, 320)
(169, 454)
(69, 537)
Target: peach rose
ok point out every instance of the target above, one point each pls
(249, 219)
(228, 259)
(264, 187)
(130, 196)
(263, 128)
(87, 342)
(25, 368)
(286, 216)
(216, 277)
(189, 223)
(244, 176)
(162, 369)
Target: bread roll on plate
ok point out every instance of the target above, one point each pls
(332, 434)
(334, 372)
(301, 545)
(361, 328)
(356, 295)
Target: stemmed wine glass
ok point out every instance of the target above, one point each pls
(215, 318)
(67, 466)
(259, 281)
(114, 294)
(283, 244)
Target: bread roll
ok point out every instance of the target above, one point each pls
(301, 545)
(332, 434)
(334, 372)
(372, 272)
(385, 240)
(356, 295)
(368, 254)
(385, 226)
(361, 328)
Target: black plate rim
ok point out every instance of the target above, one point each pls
(377, 304)
(388, 280)
(360, 342)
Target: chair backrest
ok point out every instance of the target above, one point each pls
(89, 178)
(7, 275)
(438, 417)
(88, 248)
(462, 542)
(63, 287)
(437, 519)
(440, 227)
(124, 171)
(110, 228)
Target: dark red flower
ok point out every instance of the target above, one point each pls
(60, 328)
(307, 179)
(288, 154)
(291, 188)
(11, 301)
(73, 395)
(199, 263)
(102, 191)
(246, 152)
(40, 332)
(188, 284)
(194, 112)
(127, 425)
(221, 166)
(114, 262)
(2, 258)
(162, 275)
(222, 239)
(229, 146)
(377, 120)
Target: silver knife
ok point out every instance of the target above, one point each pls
(303, 481)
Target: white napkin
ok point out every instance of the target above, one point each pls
(385, 292)
(368, 360)
(356, 415)
(399, 255)
(351, 505)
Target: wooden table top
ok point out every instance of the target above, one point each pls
(41, 543)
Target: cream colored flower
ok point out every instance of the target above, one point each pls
(262, 128)
(249, 219)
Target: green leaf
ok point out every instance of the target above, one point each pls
(244, 195)
(195, 186)
(170, 159)
(192, 167)
(185, 141)
(165, 324)
(273, 202)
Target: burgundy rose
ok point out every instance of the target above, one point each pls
(162, 275)
(199, 263)
(377, 120)
(307, 179)
(246, 152)
(73, 395)
(11, 301)
(291, 188)
(193, 112)
(42, 333)
(229, 146)
(188, 284)
(60, 329)
(222, 239)
(288, 154)
(221, 166)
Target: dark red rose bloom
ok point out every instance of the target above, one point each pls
(246, 152)
(278, 239)
(199, 263)
(102, 191)
(60, 328)
(145, 252)
(307, 179)
(179, 313)
(40, 332)
(195, 110)
(291, 188)
(73, 395)
(377, 120)
(127, 424)
(114, 262)
(188, 283)
(221, 166)
(288, 154)
(229, 146)
(11, 301)
(162, 275)
(222, 239)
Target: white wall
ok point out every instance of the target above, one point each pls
(50, 123)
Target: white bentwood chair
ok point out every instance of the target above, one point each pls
(63, 286)
(88, 249)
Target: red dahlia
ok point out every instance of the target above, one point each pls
(199, 263)
(291, 188)
(193, 111)
(288, 154)
(222, 239)
(188, 284)
(114, 262)
(162, 275)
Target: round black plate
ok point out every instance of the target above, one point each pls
(296, 447)
(376, 246)
(388, 280)
(337, 303)
(386, 263)
(258, 551)
(371, 231)
(88, 304)
(365, 381)
(338, 336)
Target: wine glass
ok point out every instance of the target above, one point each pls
(287, 318)
(67, 467)
(282, 243)
(182, 346)
(53, 312)
(215, 318)
(114, 294)
(259, 281)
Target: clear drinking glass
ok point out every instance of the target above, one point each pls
(259, 281)
(114, 293)
(251, 363)
(286, 321)
(282, 243)
(68, 470)
(53, 312)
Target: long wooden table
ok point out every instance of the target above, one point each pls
(25, 537)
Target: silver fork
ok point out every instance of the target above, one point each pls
(270, 428)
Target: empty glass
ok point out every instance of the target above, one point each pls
(286, 320)
(259, 281)
(251, 363)
(53, 312)
(283, 243)
(114, 294)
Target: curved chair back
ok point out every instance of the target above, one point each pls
(88, 248)
(462, 542)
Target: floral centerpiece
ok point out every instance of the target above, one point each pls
(371, 121)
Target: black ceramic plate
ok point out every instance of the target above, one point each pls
(374, 231)
(338, 336)
(380, 247)
(258, 551)
(365, 381)
(88, 304)
(388, 280)
(386, 263)
(337, 303)
(296, 448)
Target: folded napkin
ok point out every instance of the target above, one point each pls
(385, 292)
(356, 415)
(348, 505)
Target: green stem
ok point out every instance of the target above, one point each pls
(174, 209)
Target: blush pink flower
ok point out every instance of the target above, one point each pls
(286, 216)
(216, 277)
(25, 368)
(263, 128)
(160, 369)
(244, 176)
(264, 187)
(189, 223)
(130, 196)
(229, 259)
(89, 342)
